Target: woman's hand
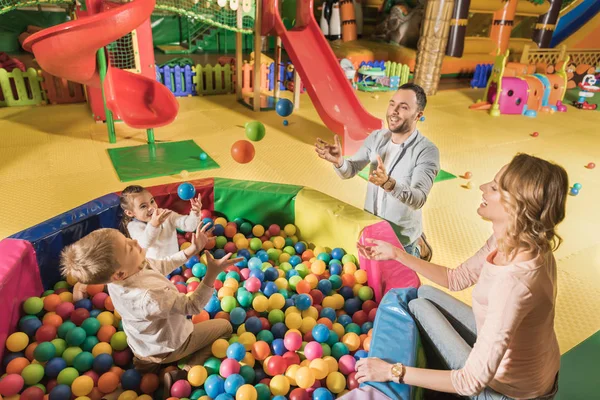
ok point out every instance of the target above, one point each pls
(373, 370)
(378, 250)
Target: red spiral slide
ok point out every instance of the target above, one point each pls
(69, 51)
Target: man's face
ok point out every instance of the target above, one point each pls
(403, 112)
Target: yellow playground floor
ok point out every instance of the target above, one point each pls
(54, 158)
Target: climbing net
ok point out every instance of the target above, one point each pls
(217, 13)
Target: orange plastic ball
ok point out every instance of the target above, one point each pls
(105, 333)
(94, 289)
(16, 365)
(51, 302)
(303, 287)
(242, 151)
(149, 384)
(108, 304)
(203, 316)
(261, 350)
(54, 320)
(108, 382)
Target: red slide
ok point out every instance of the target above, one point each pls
(69, 51)
(327, 86)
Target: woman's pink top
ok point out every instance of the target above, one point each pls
(516, 352)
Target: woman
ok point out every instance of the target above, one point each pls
(505, 347)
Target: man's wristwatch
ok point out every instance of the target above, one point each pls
(389, 185)
(398, 371)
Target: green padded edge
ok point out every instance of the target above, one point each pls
(579, 371)
(258, 202)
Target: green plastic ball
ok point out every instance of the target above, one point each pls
(118, 341)
(89, 343)
(83, 361)
(289, 250)
(265, 336)
(245, 298)
(64, 328)
(285, 266)
(212, 365)
(44, 351)
(60, 345)
(47, 293)
(354, 328)
(255, 244)
(33, 305)
(246, 228)
(273, 254)
(228, 303)
(326, 349)
(32, 374)
(365, 293)
(348, 258)
(255, 131)
(70, 353)
(75, 336)
(338, 350)
(302, 270)
(221, 241)
(234, 339)
(276, 316)
(263, 391)
(248, 373)
(294, 280)
(61, 285)
(91, 326)
(67, 376)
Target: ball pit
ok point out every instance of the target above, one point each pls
(301, 317)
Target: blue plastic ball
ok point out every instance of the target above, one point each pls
(577, 186)
(303, 302)
(30, 326)
(186, 191)
(208, 221)
(254, 263)
(329, 313)
(234, 382)
(60, 392)
(422, 119)
(253, 325)
(574, 192)
(257, 273)
(278, 330)
(102, 363)
(295, 260)
(337, 253)
(203, 156)
(237, 351)
(219, 253)
(131, 379)
(320, 333)
(263, 256)
(284, 107)
(290, 273)
(335, 269)
(285, 122)
(344, 319)
(279, 397)
(199, 270)
(278, 347)
(214, 386)
(270, 289)
(219, 230)
(224, 396)
(324, 286)
(322, 394)
(360, 354)
(346, 292)
(237, 316)
(54, 366)
(300, 247)
(271, 274)
(213, 305)
(177, 271)
(94, 313)
(352, 305)
(193, 260)
(366, 327)
(244, 253)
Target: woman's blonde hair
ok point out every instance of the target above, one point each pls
(534, 193)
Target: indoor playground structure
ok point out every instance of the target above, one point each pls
(515, 88)
(222, 83)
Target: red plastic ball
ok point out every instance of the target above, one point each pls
(299, 394)
(317, 296)
(45, 333)
(99, 299)
(187, 274)
(79, 315)
(266, 326)
(93, 375)
(291, 358)
(51, 385)
(192, 286)
(308, 337)
(591, 165)
(251, 313)
(177, 278)
(274, 230)
(351, 381)
(205, 214)
(360, 317)
(535, 134)
(277, 365)
(64, 310)
(368, 306)
(181, 288)
(230, 247)
(233, 268)
(372, 315)
(122, 358)
(32, 393)
(218, 284)
(242, 151)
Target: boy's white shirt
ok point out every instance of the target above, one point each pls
(161, 242)
(153, 311)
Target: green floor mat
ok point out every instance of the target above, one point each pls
(579, 371)
(160, 159)
(441, 176)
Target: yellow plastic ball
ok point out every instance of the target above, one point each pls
(339, 329)
(305, 362)
(102, 348)
(330, 302)
(290, 373)
(241, 329)
(246, 392)
(284, 257)
(312, 280)
(293, 321)
(279, 242)
(128, 395)
(281, 283)
(224, 292)
(336, 382)
(219, 348)
(83, 385)
(320, 368)
(279, 385)
(356, 288)
(290, 230)
(258, 230)
(318, 250)
(106, 318)
(144, 397)
(231, 283)
(349, 268)
(332, 364)
(311, 312)
(184, 245)
(237, 237)
(242, 243)
(276, 301)
(260, 303)
(361, 276)
(66, 297)
(308, 324)
(339, 301)
(197, 375)
(248, 360)
(71, 281)
(351, 340)
(305, 377)
(17, 341)
(267, 244)
(221, 221)
(318, 267)
(247, 339)
(292, 310)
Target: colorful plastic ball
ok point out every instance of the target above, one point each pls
(33, 373)
(261, 350)
(248, 373)
(67, 376)
(351, 381)
(44, 351)
(253, 325)
(577, 186)
(246, 392)
(64, 310)
(186, 191)
(322, 394)
(293, 321)
(574, 192)
(255, 131)
(203, 156)
(278, 347)
(353, 305)
(237, 351)
(108, 382)
(320, 333)
(131, 380)
(181, 388)
(118, 341)
(303, 302)
(83, 361)
(279, 385)
(214, 386)
(242, 151)
(32, 393)
(233, 383)
(313, 350)
(299, 394)
(336, 382)
(102, 363)
(54, 366)
(590, 165)
(346, 364)
(219, 348)
(305, 377)
(284, 107)
(60, 392)
(82, 386)
(212, 365)
(11, 384)
(197, 375)
(263, 391)
(33, 305)
(286, 122)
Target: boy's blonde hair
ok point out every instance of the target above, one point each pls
(91, 259)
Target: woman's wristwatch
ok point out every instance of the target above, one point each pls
(398, 371)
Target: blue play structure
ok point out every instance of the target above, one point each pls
(481, 75)
(573, 20)
(177, 78)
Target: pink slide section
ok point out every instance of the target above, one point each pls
(69, 51)
(319, 69)
(386, 275)
(19, 280)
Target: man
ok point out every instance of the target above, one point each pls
(403, 164)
